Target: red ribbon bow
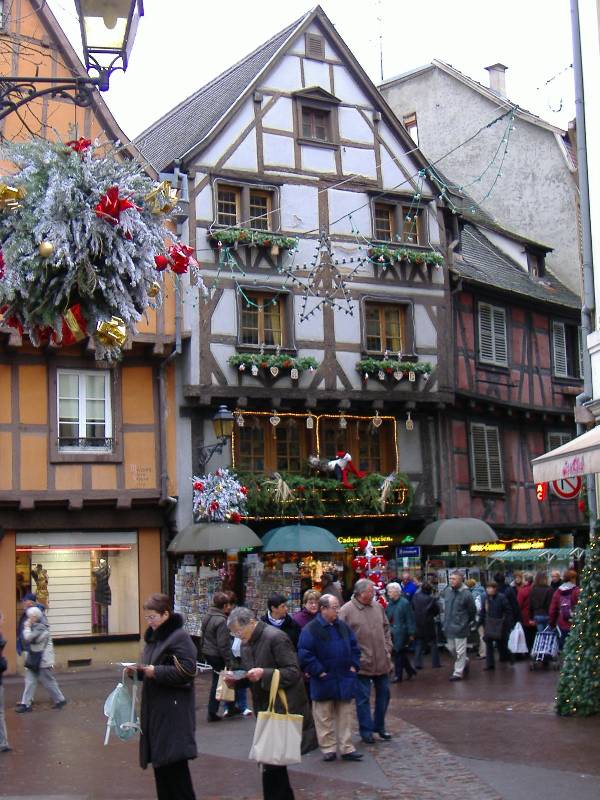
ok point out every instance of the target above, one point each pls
(181, 257)
(111, 206)
(79, 145)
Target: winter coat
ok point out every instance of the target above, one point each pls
(372, 630)
(497, 607)
(409, 588)
(21, 646)
(565, 597)
(426, 609)
(539, 601)
(333, 649)
(168, 713)
(478, 594)
(513, 604)
(216, 639)
(291, 628)
(523, 600)
(459, 612)
(270, 648)
(102, 593)
(303, 617)
(402, 622)
(3, 661)
(37, 639)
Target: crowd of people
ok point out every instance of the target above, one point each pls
(335, 660)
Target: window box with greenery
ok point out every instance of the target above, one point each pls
(246, 236)
(383, 369)
(385, 256)
(273, 365)
(314, 496)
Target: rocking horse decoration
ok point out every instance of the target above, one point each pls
(369, 565)
(340, 466)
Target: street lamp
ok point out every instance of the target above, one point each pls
(108, 28)
(223, 427)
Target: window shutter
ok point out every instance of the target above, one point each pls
(486, 338)
(494, 458)
(559, 346)
(479, 457)
(557, 439)
(486, 458)
(500, 344)
(315, 46)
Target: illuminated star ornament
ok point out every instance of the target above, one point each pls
(328, 280)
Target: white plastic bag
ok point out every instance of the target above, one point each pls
(120, 708)
(516, 640)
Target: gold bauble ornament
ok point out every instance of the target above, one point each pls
(162, 199)
(112, 332)
(154, 289)
(46, 249)
(10, 196)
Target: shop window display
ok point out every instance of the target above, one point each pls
(89, 587)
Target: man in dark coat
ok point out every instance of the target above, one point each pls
(496, 606)
(264, 649)
(426, 609)
(216, 646)
(168, 717)
(329, 653)
(277, 616)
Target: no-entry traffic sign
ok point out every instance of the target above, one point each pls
(567, 488)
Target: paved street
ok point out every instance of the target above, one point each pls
(492, 737)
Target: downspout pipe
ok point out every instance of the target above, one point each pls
(588, 308)
(165, 500)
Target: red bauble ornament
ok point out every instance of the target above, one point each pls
(235, 517)
(181, 257)
(214, 505)
(162, 262)
(244, 490)
(198, 486)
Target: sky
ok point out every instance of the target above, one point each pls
(182, 44)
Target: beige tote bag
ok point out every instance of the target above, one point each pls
(277, 737)
(224, 692)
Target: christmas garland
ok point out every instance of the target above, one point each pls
(379, 368)
(253, 362)
(219, 497)
(232, 236)
(80, 229)
(382, 254)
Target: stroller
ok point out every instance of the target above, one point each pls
(545, 649)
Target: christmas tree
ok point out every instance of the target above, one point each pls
(219, 497)
(579, 683)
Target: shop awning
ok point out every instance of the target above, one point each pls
(301, 539)
(459, 530)
(548, 555)
(209, 537)
(580, 456)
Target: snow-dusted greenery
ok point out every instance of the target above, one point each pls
(219, 497)
(104, 264)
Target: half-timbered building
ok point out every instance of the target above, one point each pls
(87, 449)
(319, 240)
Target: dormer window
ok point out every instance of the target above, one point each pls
(535, 263)
(315, 46)
(316, 124)
(316, 117)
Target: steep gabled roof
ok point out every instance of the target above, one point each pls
(484, 263)
(186, 125)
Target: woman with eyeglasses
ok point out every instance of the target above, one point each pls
(168, 716)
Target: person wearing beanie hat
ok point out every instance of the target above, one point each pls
(29, 600)
(39, 664)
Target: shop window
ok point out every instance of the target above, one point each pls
(260, 448)
(370, 447)
(289, 452)
(261, 320)
(486, 458)
(84, 411)
(493, 342)
(87, 582)
(567, 350)
(250, 441)
(385, 328)
(245, 206)
(395, 222)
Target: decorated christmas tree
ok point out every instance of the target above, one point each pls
(219, 497)
(83, 243)
(579, 683)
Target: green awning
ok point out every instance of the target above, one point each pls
(300, 539)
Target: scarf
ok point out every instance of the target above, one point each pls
(277, 622)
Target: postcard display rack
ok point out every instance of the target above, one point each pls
(259, 583)
(194, 590)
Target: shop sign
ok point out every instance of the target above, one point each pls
(541, 491)
(352, 541)
(496, 547)
(487, 547)
(531, 544)
(408, 551)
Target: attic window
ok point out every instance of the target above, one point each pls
(535, 264)
(315, 46)
(410, 123)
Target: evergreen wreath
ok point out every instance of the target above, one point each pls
(219, 497)
(79, 236)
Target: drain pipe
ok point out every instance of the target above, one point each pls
(165, 499)
(588, 309)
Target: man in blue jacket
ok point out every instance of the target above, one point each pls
(329, 653)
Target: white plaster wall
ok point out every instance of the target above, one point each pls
(346, 88)
(280, 115)
(224, 320)
(285, 75)
(357, 161)
(405, 161)
(221, 353)
(244, 156)
(299, 208)
(341, 203)
(409, 446)
(233, 129)
(425, 333)
(316, 73)
(278, 150)
(353, 126)
(204, 201)
(514, 250)
(311, 330)
(347, 326)
(317, 159)
(348, 362)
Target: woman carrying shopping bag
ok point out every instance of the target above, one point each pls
(264, 650)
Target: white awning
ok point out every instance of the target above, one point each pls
(580, 456)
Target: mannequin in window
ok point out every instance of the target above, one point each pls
(102, 593)
(40, 576)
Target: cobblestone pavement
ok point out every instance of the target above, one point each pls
(443, 732)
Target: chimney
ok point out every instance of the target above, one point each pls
(498, 78)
